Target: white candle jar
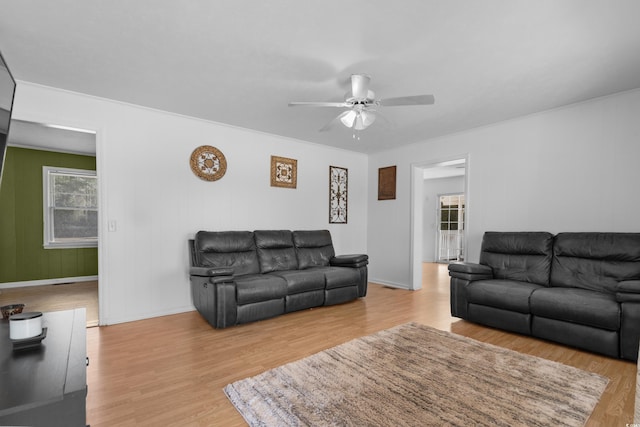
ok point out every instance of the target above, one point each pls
(25, 325)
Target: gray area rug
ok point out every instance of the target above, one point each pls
(414, 375)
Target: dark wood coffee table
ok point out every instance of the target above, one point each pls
(46, 385)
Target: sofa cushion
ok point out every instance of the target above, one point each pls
(499, 318)
(275, 250)
(596, 261)
(340, 277)
(521, 256)
(339, 295)
(260, 310)
(301, 281)
(587, 337)
(504, 294)
(314, 248)
(580, 306)
(235, 249)
(259, 287)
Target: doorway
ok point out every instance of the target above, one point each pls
(55, 270)
(430, 235)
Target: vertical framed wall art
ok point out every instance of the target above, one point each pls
(338, 188)
(284, 172)
(387, 183)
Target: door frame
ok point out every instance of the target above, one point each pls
(416, 235)
(52, 119)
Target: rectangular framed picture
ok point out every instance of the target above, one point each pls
(387, 183)
(284, 172)
(338, 191)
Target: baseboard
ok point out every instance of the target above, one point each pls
(116, 320)
(43, 282)
(389, 284)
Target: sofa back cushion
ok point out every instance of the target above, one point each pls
(522, 256)
(234, 249)
(595, 261)
(313, 247)
(275, 250)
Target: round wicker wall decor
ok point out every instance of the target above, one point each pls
(208, 163)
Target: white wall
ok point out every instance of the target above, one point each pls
(432, 189)
(569, 169)
(148, 189)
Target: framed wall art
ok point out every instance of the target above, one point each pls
(387, 183)
(284, 172)
(208, 163)
(338, 188)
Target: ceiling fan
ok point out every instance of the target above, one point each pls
(360, 104)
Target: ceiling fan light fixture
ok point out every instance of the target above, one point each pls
(368, 118)
(358, 120)
(363, 120)
(349, 119)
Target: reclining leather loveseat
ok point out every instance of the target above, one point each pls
(242, 276)
(579, 289)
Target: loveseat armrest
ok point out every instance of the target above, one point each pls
(353, 260)
(470, 271)
(215, 299)
(210, 271)
(628, 291)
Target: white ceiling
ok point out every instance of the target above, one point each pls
(240, 62)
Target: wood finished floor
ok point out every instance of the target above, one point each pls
(64, 296)
(170, 370)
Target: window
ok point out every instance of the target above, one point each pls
(452, 212)
(451, 227)
(70, 207)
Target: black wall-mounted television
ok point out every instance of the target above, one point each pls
(7, 92)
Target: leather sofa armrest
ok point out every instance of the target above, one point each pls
(470, 271)
(354, 260)
(221, 279)
(210, 271)
(628, 291)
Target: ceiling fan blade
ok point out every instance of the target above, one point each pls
(360, 85)
(407, 100)
(334, 121)
(317, 104)
(384, 120)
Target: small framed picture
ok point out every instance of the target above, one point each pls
(284, 172)
(387, 183)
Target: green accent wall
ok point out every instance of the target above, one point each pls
(22, 255)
